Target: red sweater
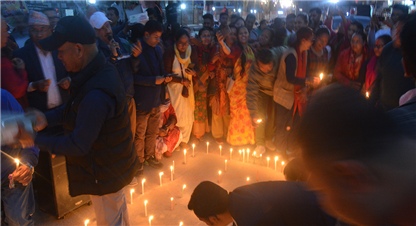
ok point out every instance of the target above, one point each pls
(14, 81)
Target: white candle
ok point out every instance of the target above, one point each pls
(171, 173)
(261, 159)
(86, 222)
(268, 162)
(231, 153)
(143, 186)
(240, 154)
(184, 156)
(220, 151)
(17, 163)
(145, 208)
(275, 160)
(150, 220)
(283, 163)
(225, 165)
(193, 150)
(219, 177)
(254, 159)
(248, 178)
(131, 196)
(160, 177)
(207, 146)
(173, 164)
(244, 155)
(248, 155)
(171, 203)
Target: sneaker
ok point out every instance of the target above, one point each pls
(259, 150)
(167, 154)
(184, 145)
(134, 182)
(153, 162)
(270, 145)
(219, 141)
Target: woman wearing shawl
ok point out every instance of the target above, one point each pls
(349, 62)
(290, 89)
(176, 60)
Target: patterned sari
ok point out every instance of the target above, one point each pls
(241, 131)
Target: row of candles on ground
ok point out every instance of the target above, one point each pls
(86, 222)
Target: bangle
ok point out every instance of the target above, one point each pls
(32, 169)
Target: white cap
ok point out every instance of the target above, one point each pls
(98, 19)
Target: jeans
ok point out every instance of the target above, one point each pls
(147, 128)
(19, 203)
(266, 129)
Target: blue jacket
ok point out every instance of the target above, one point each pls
(124, 66)
(147, 94)
(30, 155)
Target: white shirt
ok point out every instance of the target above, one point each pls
(289, 32)
(48, 68)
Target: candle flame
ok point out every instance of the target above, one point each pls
(254, 153)
(283, 162)
(17, 161)
(231, 150)
(276, 158)
(248, 150)
(171, 168)
(207, 143)
(220, 146)
(226, 161)
(184, 186)
(219, 172)
(161, 173)
(259, 120)
(180, 224)
(171, 199)
(261, 155)
(321, 76)
(248, 178)
(184, 151)
(131, 191)
(145, 202)
(367, 94)
(86, 222)
(150, 218)
(268, 158)
(239, 151)
(193, 145)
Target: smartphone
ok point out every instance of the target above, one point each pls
(191, 66)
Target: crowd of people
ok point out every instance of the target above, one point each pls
(115, 96)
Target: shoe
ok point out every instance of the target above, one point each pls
(184, 145)
(270, 145)
(153, 162)
(259, 150)
(134, 182)
(167, 154)
(219, 141)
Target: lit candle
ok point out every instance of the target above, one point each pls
(160, 177)
(171, 203)
(367, 94)
(86, 222)
(131, 196)
(143, 186)
(171, 173)
(207, 146)
(231, 153)
(193, 150)
(145, 208)
(219, 177)
(257, 175)
(183, 188)
(181, 223)
(254, 159)
(261, 159)
(259, 120)
(268, 162)
(220, 151)
(184, 156)
(283, 163)
(150, 220)
(275, 160)
(244, 155)
(173, 164)
(17, 163)
(240, 154)
(225, 165)
(248, 155)
(321, 76)
(248, 178)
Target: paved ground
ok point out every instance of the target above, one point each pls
(200, 168)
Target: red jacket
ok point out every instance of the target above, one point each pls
(347, 69)
(14, 81)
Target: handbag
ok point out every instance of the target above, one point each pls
(185, 91)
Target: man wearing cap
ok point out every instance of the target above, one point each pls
(48, 81)
(98, 142)
(108, 47)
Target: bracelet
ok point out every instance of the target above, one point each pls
(30, 167)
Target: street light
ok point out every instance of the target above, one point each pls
(183, 6)
(251, 11)
(255, 11)
(91, 1)
(234, 10)
(213, 8)
(239, 10)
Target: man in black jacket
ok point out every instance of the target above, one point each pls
(266, 203)
(98, 142)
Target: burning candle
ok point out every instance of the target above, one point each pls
(150, 220)
(259, 121)
(231, 153)
(283, 163)
(268, 162)
(17, 163)
(225, 165)
(145, 208)
(171, 173)
(254, 159)
(219, 177)
(257, 175)
(244, 155)
(321, 76)
(171, 203)
(367, 94)
(86, 222)
(240, 154)
(275, 160)
(220, 151)
(131, 196)
(143, 186)
(248, 155)
(207, 146)
(173, 164)
(181, 223)
(184, 156)
(193, 150)
(261, 159)
(183, 188)
(248, 178)
(160, 177)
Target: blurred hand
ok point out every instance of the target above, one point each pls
(186, 82)
(354, 85)
(18, 63)
(42, 85)
(23, 174)
(137, 49)
(191, 72)
(65, 83)
(216, 57)
(25, 139)
(255, 123)
(113, 47)
(313, 81)
(41, 121)
(201, 87)
(168, 79)
(212, 74)
(163, 132)
(159, 80)
(220, 37)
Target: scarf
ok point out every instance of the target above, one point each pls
(187, 58)
(300, 73)
(353, 66)
(371, 74)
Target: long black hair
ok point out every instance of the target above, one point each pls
(243, 55)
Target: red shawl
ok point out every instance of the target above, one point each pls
(300, 73)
